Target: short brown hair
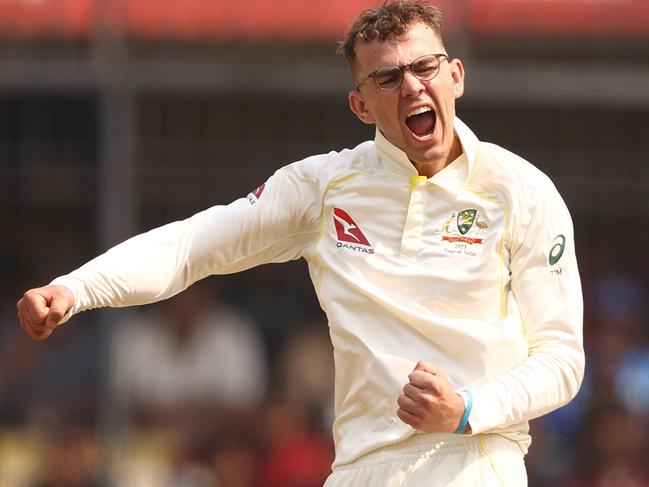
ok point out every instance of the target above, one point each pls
(390, 20)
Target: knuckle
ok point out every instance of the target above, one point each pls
(30, 294)
(427, 401)
(436, 388)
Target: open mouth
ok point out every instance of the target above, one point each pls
(421, 121)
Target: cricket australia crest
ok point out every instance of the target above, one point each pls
(465, 220)
(464, 227)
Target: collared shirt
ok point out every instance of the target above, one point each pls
(472, 270)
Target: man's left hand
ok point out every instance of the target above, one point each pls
(428, 402)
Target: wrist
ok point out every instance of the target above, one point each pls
(467, 397)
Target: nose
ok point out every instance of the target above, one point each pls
(411, 85)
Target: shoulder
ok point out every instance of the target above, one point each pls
(501, 161)
(527, 194)
(335, 165)
(495, 169)
(501, 169)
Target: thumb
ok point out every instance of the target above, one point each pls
(58, 309)
(426, 367)
(55, 315)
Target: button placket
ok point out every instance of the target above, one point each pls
(411, 241)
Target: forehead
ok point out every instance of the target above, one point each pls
(417, 41)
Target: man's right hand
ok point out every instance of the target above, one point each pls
(41, 309)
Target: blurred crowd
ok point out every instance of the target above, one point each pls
(192, 392)
(601, 438)
(185, 395)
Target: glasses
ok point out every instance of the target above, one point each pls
(390, 78)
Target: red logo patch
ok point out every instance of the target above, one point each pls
(256, 194)
(347, 229)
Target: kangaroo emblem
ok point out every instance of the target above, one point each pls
(446, 223)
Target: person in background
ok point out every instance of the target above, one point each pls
(192, 358)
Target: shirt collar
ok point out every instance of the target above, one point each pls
(457, 171)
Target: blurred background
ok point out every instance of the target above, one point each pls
(117, 116)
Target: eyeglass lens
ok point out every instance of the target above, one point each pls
(424, 68)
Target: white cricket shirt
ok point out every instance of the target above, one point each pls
(473, 270)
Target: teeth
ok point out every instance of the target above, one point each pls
(419, 111)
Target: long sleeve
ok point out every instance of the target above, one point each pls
(546, 293)
(274, 224)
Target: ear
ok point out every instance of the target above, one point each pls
(359, 107)
(457, 72)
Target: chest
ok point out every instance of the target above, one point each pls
(424, 242)
(425, 222)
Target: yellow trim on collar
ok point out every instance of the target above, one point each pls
(415, 180)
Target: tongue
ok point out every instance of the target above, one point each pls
(421, 124)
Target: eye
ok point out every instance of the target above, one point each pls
(387, 77)
(425, 66)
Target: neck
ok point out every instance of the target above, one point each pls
(429, 169)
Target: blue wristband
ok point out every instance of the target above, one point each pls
(468, 406)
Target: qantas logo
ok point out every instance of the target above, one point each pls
(254, 196)
(349, 234)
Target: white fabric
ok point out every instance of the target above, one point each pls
(486, 306)
(437, 460)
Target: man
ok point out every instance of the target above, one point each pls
(448, 336)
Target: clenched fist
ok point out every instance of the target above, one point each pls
(428, 402)
(41, 309)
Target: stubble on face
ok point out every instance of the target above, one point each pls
(418, 117)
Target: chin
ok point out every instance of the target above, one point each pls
(431, 156)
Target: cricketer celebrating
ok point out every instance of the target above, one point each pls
(445, 265)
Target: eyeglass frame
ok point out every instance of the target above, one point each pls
(402, 69)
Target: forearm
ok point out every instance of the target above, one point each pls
(549, 378)
(146, 268)
(546, 300)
